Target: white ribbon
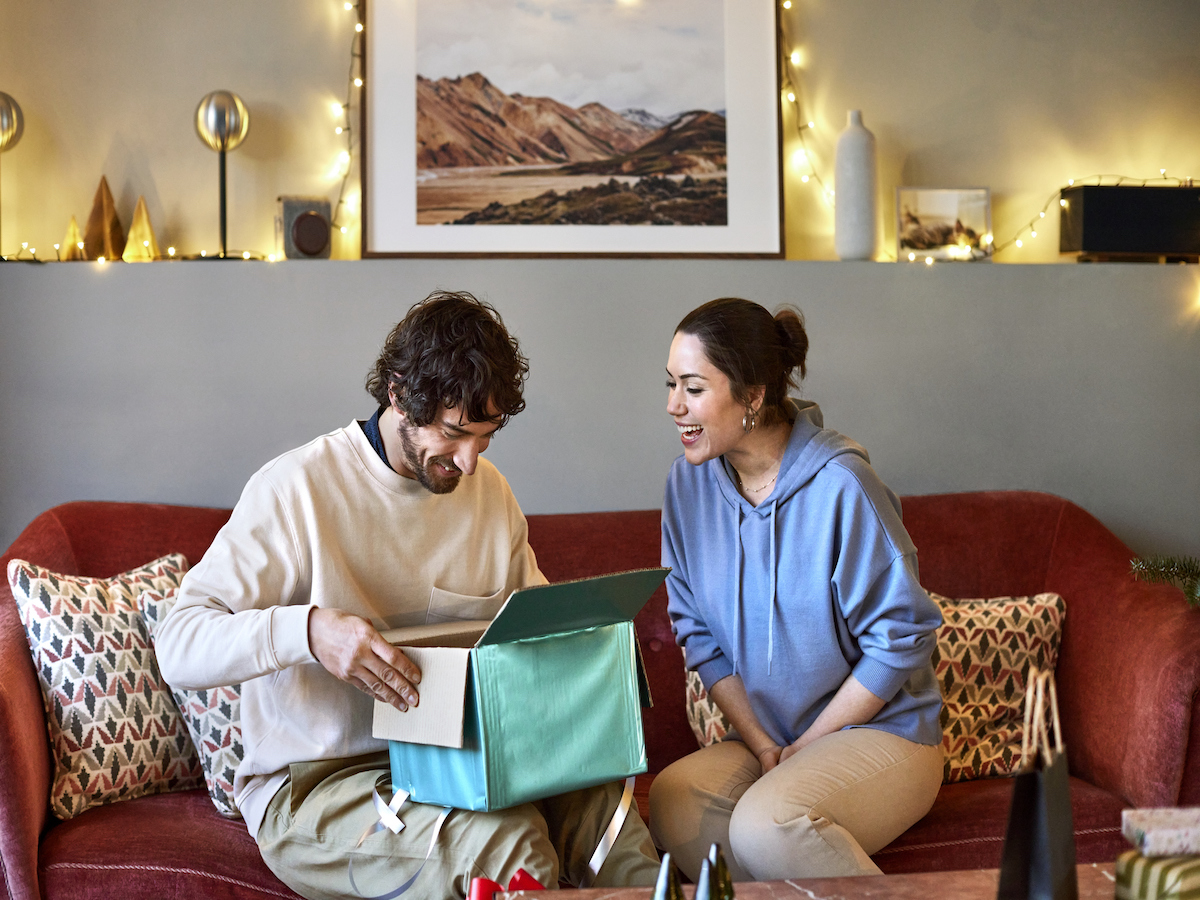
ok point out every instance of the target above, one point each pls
(389, 819)
(614, 828)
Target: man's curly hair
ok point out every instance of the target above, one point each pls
(451, 350)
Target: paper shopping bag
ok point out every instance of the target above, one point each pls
(1038, 861)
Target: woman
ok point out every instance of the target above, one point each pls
(794, 594)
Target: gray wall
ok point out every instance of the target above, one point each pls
(174, 382)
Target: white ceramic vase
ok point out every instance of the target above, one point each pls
(854, 203)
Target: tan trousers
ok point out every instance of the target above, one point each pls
(819, 814)
(313, 822)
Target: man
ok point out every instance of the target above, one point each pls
(390, 522)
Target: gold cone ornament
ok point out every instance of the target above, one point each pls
(141, 245)
(104, 235)
(71, 244)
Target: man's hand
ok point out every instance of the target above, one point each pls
(350, 648)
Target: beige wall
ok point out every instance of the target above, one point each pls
(1015, 95)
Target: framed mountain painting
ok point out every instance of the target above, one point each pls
(571, 127)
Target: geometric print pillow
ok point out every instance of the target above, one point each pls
(213, 717)
(114, 732)
(708, 723)
(982, 659)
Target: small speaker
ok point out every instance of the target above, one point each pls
(1130, 223)
(305, 223)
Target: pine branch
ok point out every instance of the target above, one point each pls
(1181, 570)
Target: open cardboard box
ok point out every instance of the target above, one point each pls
(544, 699)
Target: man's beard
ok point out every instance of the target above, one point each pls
(424, 473)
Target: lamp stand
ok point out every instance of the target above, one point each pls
(221, 153)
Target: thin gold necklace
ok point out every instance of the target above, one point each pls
(738, 476)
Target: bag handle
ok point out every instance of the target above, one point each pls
(1041, 709)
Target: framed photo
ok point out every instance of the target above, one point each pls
(943, 224)
(571, 127)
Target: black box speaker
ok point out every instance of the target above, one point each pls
(306, 226)
(1126, 222)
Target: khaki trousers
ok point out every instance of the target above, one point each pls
(313, 822)
(819, 814)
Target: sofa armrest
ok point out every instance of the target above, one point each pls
(24, 746)
(1128, 670)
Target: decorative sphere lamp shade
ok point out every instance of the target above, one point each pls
(12, 126)
(12, 122)
(222, 122)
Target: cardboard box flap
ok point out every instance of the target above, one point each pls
(458, 633)
(438, 716)
(570, 605)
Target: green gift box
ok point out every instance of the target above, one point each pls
(1157, 878)
(547, 699)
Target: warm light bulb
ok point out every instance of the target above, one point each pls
(358, 26)
(80, 245)
(336, 108)
(929, 260)
(987, 239)
(1041, 215)
(1162, 171)
(56, 246)
(912, 257)
(795, 57)
(245, 254)
(344, 156)
(799, 158)
(804, 178)
(204, 253)
(33, 250)
(1062, 203)
(1032, 234)
(791, 97)
(146, 244)
(270, 257)
(349, 6)
(338, 130)
(170, 251)
(344, 229)
(811, 125)
(787, 4)
(1019, 244)
(100, 259)
(1071, 181)
(358, 82)
(24, 245)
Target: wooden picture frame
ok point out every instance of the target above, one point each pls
(447, 169)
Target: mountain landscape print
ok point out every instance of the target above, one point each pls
(571, 112)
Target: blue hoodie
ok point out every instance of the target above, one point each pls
(816, 583)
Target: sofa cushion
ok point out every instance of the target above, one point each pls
(983, 654)
(213, 717)
(114, 732)
(164, 846)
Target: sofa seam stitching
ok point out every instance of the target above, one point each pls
(978, 840)
(170, 869)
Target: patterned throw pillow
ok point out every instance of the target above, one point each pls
(984, 651)
(708, 722)
(214, 717)
(983, 654)
(114, 732)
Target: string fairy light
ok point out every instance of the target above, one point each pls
(1031, 227)
(790, 61)
(343, 165)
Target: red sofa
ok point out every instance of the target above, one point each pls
(1128, 677)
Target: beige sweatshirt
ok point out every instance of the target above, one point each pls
(330, 524)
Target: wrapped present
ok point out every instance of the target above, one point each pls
(1157, 878)
(547, 700)
(1171, 831)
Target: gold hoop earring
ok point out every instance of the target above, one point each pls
(749, 420)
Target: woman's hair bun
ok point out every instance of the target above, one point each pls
(793, 339)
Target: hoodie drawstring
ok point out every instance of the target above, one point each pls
(737, 600)
(772, 612)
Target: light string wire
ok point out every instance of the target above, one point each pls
(1099, 180)
(791, 94)
(354, 83)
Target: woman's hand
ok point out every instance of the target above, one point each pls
(770, 757)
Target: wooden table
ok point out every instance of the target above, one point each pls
(1096, 882)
